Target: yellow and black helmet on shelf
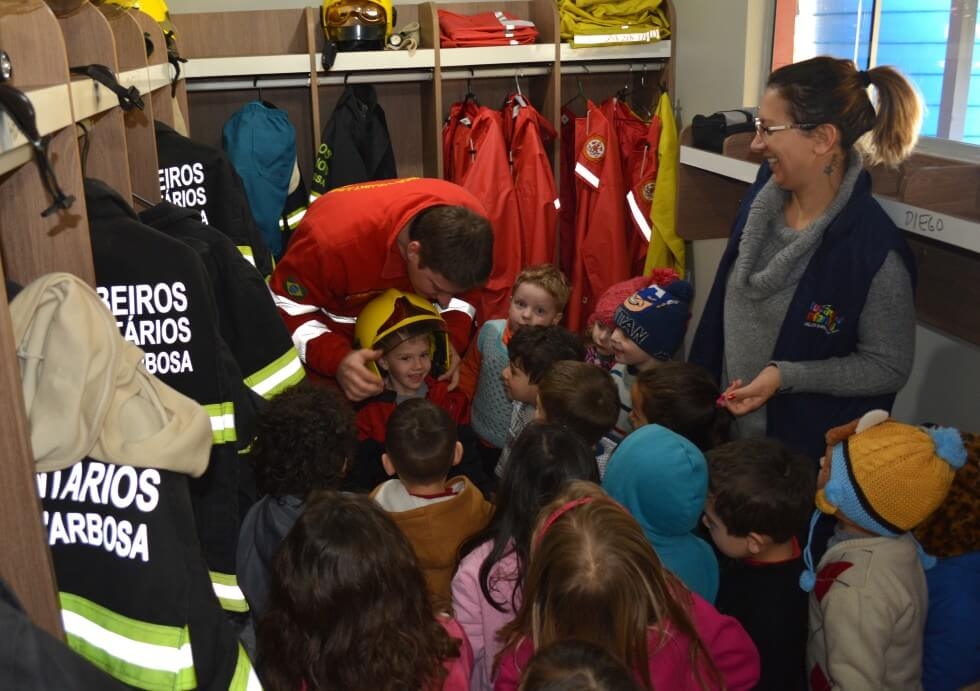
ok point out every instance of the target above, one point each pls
(357, 24)
(396, 316)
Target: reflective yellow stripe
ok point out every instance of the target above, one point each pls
(222, 422)
(145, 655)
(284, 372)
(244, 678)
(230, 596)
(247, 253)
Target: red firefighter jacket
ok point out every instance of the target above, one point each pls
(345, 252)
(600, 243)
(488, 178)
(638, 155)
(534, 181)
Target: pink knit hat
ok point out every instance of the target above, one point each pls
(616, 294)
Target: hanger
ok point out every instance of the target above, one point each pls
(470, 95)
(83, 153)
(128, 98)
(143, 200)
(520, 98)
(579, 95)
(21, 111)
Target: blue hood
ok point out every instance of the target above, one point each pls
(662, 480)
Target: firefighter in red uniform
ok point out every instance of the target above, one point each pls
(421, 235)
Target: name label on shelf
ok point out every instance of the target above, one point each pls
(942, 227)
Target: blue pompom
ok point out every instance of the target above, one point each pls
(949, 445)
(808, 580)
(680, 289)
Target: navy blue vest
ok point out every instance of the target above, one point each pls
(822, 319)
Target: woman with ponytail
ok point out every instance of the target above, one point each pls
(810, 322)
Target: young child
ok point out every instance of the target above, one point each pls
(581, 398)
(681, 397)
(487, 585)
(879, 478)
(532, 351)
(348, 608)
(759, 497)
(662, 479)
(288, 466)
(650, 326)
(601, 323)
(538, 299)
(415, 345)
(594, 577)
(436, 515)
(572, 665)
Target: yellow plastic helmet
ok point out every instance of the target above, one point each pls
(396, 316)
(357, 24)
(155, 8)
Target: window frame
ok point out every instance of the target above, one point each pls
(956, 81)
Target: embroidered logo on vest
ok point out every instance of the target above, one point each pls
(823, 317)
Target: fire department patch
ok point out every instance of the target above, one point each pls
(648, 191)
(595, 148)
(295, 289)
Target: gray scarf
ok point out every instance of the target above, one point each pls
(763, 280)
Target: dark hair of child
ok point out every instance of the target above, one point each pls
(682, 397)
(543, 459)
(572, 665)
(421, 440)
(580, 397)
(761, 486)
(534, 348)
(348, 606)
(303, 440)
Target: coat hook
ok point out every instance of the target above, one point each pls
(517, 82)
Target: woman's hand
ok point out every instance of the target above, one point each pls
(740, 400)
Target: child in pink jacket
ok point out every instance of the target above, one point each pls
(487, 585)
(593, 576)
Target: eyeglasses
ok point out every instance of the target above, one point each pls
(769, 129)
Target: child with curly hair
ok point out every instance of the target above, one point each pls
(348, 608)
(304, 440)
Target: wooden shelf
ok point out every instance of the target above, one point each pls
(940, 227)
(533, 54)
(249, 65)
(52, 107)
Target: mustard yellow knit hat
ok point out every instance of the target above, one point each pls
(888, 476)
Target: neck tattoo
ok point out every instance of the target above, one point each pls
(831, 166)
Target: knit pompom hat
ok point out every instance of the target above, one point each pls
(655, 317)
(616, 294)
(888, 477)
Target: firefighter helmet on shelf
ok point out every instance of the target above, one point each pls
(396, 316)
(357, 24)
(155, 8)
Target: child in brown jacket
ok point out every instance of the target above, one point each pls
(435, 514)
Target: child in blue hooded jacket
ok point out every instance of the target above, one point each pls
(662, 480)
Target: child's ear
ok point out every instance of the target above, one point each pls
(458, 453)
(388, 465)
(755, 543)
(557, 320)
